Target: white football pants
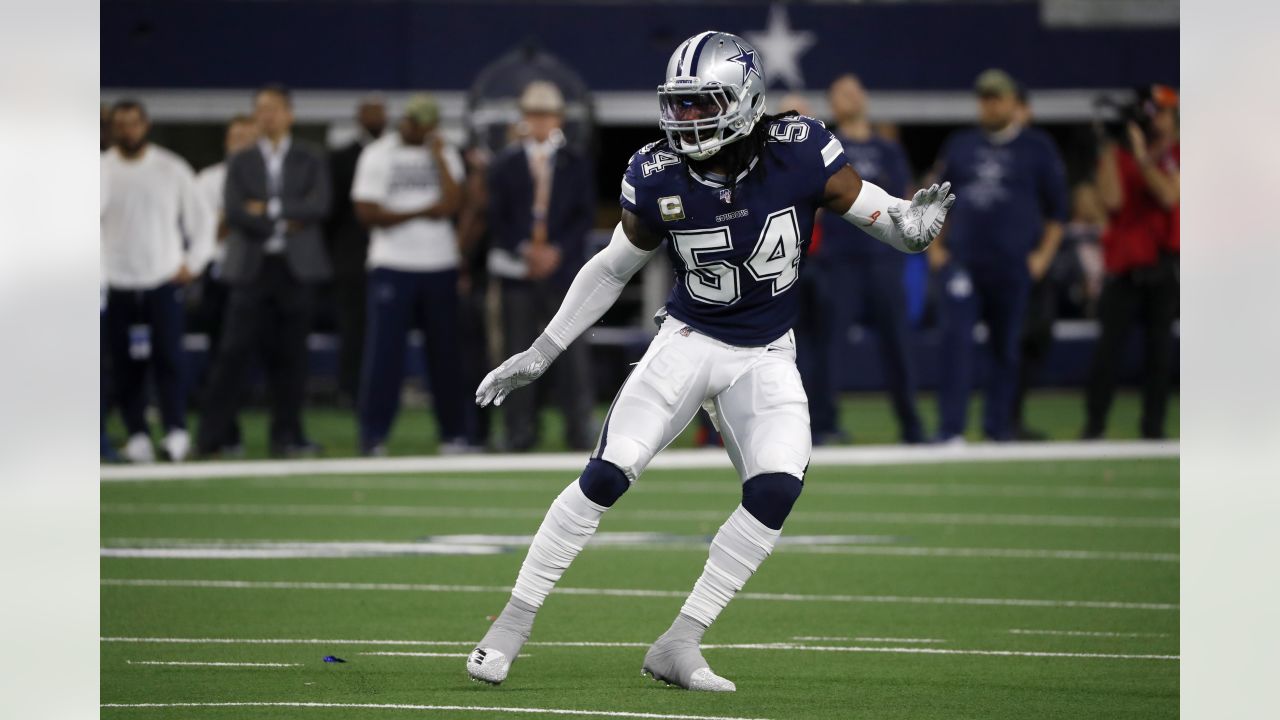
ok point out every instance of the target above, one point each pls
(753, 394)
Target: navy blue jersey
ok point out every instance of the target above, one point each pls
(878, 161)
(737, 250)
(1005, 191)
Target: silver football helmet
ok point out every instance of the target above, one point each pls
(713, 95)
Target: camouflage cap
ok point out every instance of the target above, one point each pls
(423, 109)
(995, 82)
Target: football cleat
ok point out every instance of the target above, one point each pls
(498, 649)
(488, 665)
(678, 661)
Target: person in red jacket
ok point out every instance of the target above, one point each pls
(1139, 185)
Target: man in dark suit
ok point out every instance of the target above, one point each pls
(541, 207)
(349, 246)
(276, 197)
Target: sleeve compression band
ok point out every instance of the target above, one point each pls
(870, 213)
(594, 290)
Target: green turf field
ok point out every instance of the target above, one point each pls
(867, 418)
(965, 590)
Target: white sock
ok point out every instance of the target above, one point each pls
(736, 553)
(569, 524)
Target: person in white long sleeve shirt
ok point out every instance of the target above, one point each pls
(215, 292)
(242, 132)
(157, 234)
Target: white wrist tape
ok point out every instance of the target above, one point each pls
(594, 290)
(870, 213)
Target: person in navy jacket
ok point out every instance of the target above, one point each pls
(856, 278)
(542, 205)
(1003, 233)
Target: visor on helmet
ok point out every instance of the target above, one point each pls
(696, 118)
(679, 106)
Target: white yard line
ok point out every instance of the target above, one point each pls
(428, 654)
(786, 646)
(630, 592)
(948, 651)
(194, 548)
(647, 540)
(841, 638)
(440, 708)
(1010, 553)
(435, 511)
(278, 641)
(1088, 633)
(670, 459)
(294, 550)
(212, 664)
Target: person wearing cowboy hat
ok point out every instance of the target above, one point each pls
(541, 206)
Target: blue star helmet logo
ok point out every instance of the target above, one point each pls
(747, 59)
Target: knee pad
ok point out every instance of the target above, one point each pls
(769, 497)
(603, 482)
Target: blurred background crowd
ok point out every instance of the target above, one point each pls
(306, 270)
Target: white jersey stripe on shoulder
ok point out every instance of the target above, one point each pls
(628, 192)
(832, 151)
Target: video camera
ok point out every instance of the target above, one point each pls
(1112, 115)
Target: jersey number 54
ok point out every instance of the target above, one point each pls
(776, 257)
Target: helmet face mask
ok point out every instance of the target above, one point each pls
(713, 96)
(695, 119)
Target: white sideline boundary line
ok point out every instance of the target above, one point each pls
(630, 592)
(667, 460)
(194, 663)
(440, 708)
(782, 646)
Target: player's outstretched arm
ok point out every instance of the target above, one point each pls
(594, 290)
(909, 226)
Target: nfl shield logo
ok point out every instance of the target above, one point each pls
(727, 195)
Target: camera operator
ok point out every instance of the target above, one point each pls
(1138, 183)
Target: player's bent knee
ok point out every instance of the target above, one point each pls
(780, 458)
(603, 482)
(769, 497)
(626, 454)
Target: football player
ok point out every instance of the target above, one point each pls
(733, 193)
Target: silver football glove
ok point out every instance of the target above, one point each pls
(518, 370)
(921, 221)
